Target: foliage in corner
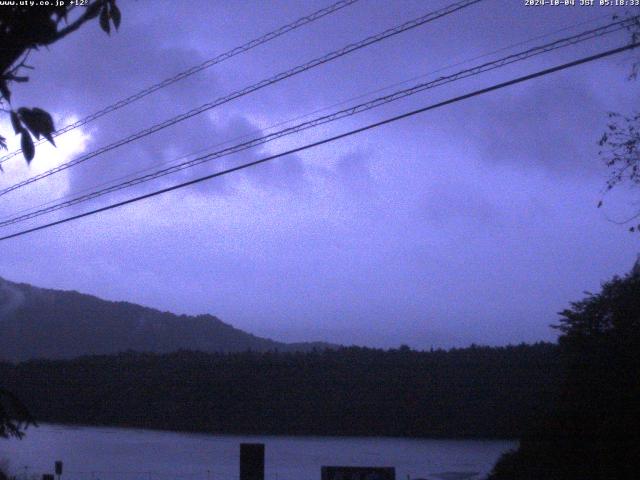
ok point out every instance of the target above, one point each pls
(14, 416)
(26, 28)
(621, 153)
(620, 143)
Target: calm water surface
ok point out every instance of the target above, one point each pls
(91, 453)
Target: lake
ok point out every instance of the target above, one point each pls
(91, 453)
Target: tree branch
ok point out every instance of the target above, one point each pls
(91, 12)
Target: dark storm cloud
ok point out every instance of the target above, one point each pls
(551, 124)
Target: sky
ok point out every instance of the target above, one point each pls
(471, 223)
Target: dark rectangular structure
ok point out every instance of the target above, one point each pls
(358, 473)
(252, 461)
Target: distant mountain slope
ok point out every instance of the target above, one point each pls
(55, 324)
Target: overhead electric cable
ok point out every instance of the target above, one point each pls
(133, 174)
(312, 17)
(362, 107)
(252, 88)
(386, 121)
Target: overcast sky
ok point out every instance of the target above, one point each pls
(476, 222)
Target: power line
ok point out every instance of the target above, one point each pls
(252, 88)
(197, 68)
(299, 117)
(362, 107)
(334, 138)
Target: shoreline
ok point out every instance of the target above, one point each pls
(142, 429)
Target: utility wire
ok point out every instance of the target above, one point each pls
(252, 88)
(299, 117)
(334, 138)
(197, 68)
(362, 107)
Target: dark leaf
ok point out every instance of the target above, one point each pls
(30, 121)
(3, 144)
(38, 122)
(599, 203)
(44, 119)
(115, 15)
(15, 122)
(46, 124)
(104, 19)
(93, 10)
(49, 138)
(28, 149)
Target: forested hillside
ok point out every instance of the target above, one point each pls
(43, 323)
(472, 392)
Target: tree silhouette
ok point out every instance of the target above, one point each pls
(594, 430)
(25, 28)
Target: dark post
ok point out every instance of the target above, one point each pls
(47, 476)
(58, 465)
(252, 461)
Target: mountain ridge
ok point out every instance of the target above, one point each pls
(42, 323)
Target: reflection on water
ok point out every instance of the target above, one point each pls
(91, 453)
